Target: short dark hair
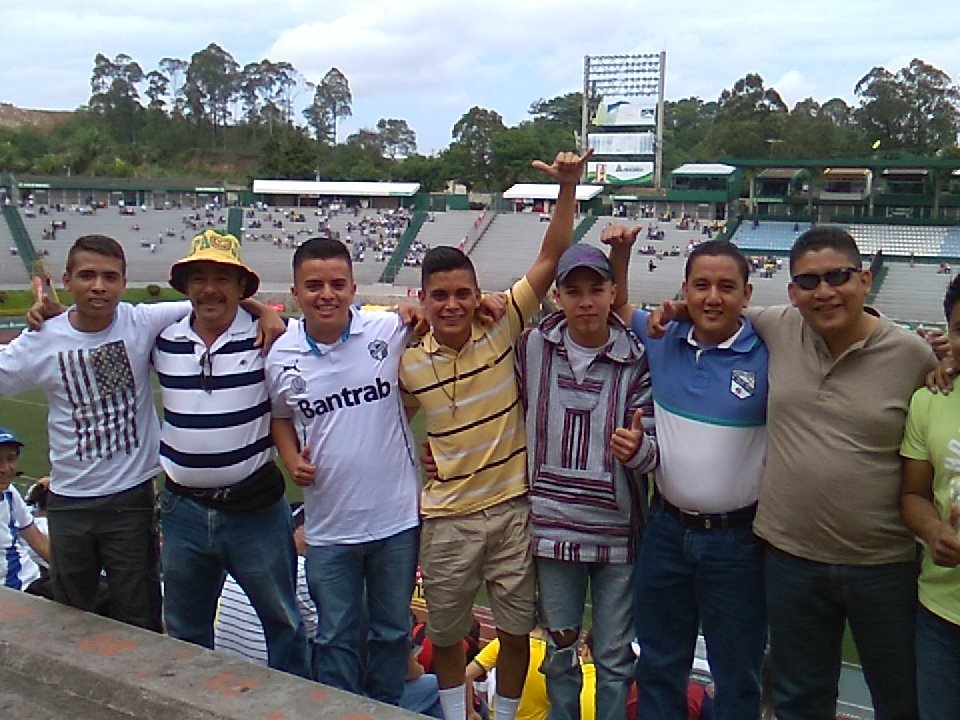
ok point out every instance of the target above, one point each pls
(718, 248)
(952, 297)
(321, 248)
(444, 258)
(99, 244)
(825, 237)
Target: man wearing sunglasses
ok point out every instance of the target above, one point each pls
(840, 380)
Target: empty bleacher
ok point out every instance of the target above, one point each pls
(902, 240)
(446, 228)
(913, 294)
(12, 269)
(768, 235)
(507, 249)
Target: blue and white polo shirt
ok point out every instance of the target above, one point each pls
(711, 414)
(16, 566)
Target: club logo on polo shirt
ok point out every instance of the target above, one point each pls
(743, 383)
(346, 398)
(377, 349)
(298, 385)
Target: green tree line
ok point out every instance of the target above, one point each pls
(210, 116)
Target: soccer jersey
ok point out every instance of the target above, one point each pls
(933, 434)
(216, 413)
(16, 567)
(102, 424)
(473, 413)
(345, 405)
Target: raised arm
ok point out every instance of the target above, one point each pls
(620, 238)
(566, 169)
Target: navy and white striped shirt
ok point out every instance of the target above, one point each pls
(216, 413)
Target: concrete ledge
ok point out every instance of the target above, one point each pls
(98, 668)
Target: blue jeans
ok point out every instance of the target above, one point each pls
(337, 576)
(808, 602)
(938, 667)
(563, 591)
(201, 544)
(688, 578)
(422, 695)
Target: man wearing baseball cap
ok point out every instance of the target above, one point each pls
(590, 437)
(222, 507)
(17, 568)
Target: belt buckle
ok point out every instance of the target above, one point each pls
(707, 523)
(222, 494)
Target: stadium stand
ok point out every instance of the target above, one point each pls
(507, 249)
(446, 228)
(12, 270)
(913, 294)
(768, 235)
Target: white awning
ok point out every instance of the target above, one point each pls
(338, 189)
(545, 191)
(704, 169)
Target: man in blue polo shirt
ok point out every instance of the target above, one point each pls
(699, 563)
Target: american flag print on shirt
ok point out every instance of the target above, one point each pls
(101, 389)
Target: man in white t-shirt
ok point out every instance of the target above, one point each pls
(339, 427)
(93, 363)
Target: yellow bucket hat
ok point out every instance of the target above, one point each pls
(211, 246)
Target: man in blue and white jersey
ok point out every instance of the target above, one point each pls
(222, 508)
(699, 563)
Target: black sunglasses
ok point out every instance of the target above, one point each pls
(833, 278)
(206, 372)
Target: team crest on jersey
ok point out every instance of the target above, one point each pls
(298, 385)
(743, 383)
(377, 349)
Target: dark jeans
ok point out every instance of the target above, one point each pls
(114, 533)
(807, 605)
(938, 667)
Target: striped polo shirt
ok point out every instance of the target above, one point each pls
(479, 445)
(216, 413)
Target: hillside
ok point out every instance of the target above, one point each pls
(14, 118)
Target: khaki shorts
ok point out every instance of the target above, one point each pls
(458, 553)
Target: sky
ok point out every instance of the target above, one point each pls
(429, 61)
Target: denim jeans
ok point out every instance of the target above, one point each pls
(117, 534)
(337, 576)
(563, 591)
(808, 602)
(938, 667)
(690, 578)
(201, 544)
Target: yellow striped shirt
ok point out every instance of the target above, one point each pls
(479, 445)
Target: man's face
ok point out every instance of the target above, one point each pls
(585, 298)
(324, 290)
(96, 282)
(450, 299)
(716, 296)
(832, 311)
(9, 455)
(215, 291)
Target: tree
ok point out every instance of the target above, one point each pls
(564, 110)
(212, 83)
(157, 84)
(331, 102)
(114, 93)
(917, 109)
(475, 131)
(396, 137)
(748, 115)
(174, 69)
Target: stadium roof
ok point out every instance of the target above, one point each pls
(90, 182)
(779, 173)
(339, 189)
(546, 191)
(704, 169)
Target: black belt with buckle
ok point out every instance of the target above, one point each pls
(740, 517)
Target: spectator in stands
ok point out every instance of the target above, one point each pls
(222, 484)
(699, 563)
(93, 362)
(930, 506)
(17, 526)
(337, 425)
(534, 704)
(462, 376)
(585, 386)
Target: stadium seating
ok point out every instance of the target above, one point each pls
(12, 270)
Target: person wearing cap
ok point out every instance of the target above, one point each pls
(93, 362)
(475, 509)
(222, 506)
(585, 384)
(17, 526)
(699, 564)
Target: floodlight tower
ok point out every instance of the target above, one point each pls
(616, 77)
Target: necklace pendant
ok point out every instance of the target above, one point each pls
(453, 408)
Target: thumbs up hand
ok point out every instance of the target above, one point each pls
(626, 440)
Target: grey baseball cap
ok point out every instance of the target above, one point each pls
(587, 256)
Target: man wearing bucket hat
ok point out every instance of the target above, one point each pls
(222, 507)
